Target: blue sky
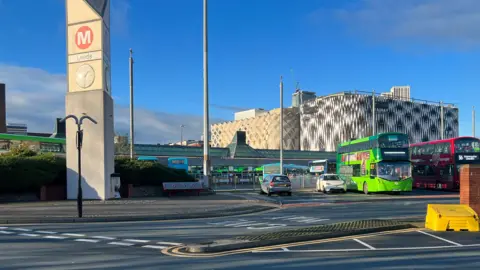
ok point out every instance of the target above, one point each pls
(331, 46)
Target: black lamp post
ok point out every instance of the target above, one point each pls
(79, 123)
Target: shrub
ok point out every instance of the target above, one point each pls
(145, 173)
(29, 173)
(21, 171)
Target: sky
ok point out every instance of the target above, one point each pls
(326, 46)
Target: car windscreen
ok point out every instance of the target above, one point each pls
(331, 177)
(279, 179)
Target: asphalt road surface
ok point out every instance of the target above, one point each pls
(138, 244)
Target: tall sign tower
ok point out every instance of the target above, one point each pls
(89, 92)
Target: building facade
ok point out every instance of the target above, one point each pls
(262, 131)
(3, 109)
(17, 128)
(399, 92)
(301, 96)
(249, 114)
(329, 120)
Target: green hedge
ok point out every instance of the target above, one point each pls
(23, 171)
(27, 174)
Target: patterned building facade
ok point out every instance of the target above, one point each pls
(329, 120)
(263, 131)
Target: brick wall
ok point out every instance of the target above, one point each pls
(3, 128)
(470, 186)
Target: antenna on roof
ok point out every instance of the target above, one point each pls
(296, 82)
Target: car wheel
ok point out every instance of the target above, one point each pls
(268, 193)
(365, 188)
(324, 190)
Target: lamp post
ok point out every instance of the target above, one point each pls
(281, 125)
(132, 138)
(79, 140)
(181, 134)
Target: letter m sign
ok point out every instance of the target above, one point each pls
(84, 37)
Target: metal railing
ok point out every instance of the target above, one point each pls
(251, 182)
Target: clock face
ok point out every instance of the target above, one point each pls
(85, 76)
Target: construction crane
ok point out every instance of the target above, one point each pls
(295, 82)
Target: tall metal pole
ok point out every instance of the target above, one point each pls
(374, 120)
(206, 158)
(132, 138)
(473, 121)
(442, 131)
(181, 134)
(79, 159)
(281, 124)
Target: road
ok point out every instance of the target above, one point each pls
(138, 244)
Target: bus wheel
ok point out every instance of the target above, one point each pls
(365, 188)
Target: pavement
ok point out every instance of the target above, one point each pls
(161, 208)
(139, 245)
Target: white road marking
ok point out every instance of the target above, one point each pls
(285, 249)
(170, 243)
(46, 232)
(3, 228)
(74, 234)
(54, 237)
(313, 220)
(281, 217)
(21, 229)
(363, 243)
(121, 244)
(270, 226)
(359, 249)
(137, 241)
(440, 238)
(155, 247)
(87, 240)
(29, 234)
(6, 232)
(104, 237)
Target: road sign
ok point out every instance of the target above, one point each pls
(82, 57)
(84, 37)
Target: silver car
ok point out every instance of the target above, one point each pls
(276, 183)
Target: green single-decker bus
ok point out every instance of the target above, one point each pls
(379, 163)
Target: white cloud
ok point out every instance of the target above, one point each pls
(36, 97)
(438, 23)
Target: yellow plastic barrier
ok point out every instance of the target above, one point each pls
(451, 217)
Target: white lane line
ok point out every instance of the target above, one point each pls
(154, 247)
(104, 237)
(54, 237)
(363, 243)
(87, 240)
(170, 243)
(378, 249)
(136, 240)
(440, 238)
(45, 232)
(74, 234)
(285, 249)
(3, 228)
(29, 234)
(121, 244)
(21, 229)
(6, 232)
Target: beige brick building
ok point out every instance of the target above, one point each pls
(263, 131)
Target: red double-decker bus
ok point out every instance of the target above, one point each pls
(436, 164)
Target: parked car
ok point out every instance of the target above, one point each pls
(330, 182)
(276, 183)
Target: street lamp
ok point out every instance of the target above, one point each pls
(79, 140)
(181, 134)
